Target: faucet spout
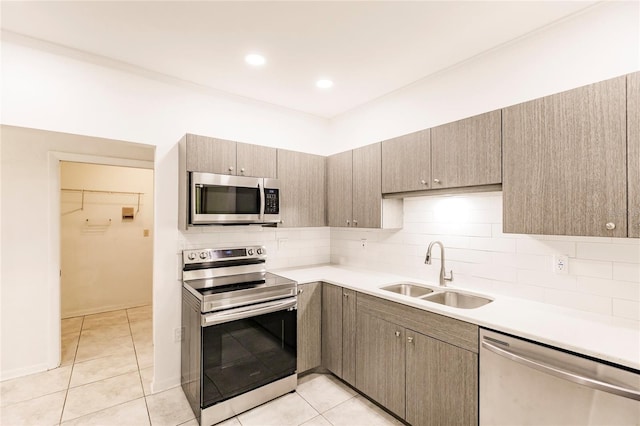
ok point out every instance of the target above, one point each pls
(427, 260)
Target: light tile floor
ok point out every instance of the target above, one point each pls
(105, 376)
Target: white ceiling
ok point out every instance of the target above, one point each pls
(367, 48)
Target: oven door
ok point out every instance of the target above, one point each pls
(222, 199)
(246, 348)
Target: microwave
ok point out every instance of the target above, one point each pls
(233, 200)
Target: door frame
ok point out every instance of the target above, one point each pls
(54, 343)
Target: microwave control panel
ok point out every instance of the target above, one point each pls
(272, 201)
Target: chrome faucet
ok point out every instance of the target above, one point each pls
(427, 260)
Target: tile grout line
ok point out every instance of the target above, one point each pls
(75, 354)
(144, 396)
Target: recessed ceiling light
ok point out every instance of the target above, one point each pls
(255, 59)
(324, 83)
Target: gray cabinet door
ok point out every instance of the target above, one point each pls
(442, 383)
(467, 152)
(255, 160)
(564, 163)
(210, 155)
(309, 326)
(406, 163)
(633, 155)
(349, 336)
(367, 186)
(380, 370)
(332, 328)
(339, 189)
(303, 188)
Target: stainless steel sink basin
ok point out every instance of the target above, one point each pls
(457, 300)
(408, 289)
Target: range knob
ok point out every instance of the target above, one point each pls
(203, 255)
(191, 256)
(260, 251)
(250, 252)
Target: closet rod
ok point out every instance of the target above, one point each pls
(101, 192)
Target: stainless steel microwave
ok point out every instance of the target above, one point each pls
(233, 200)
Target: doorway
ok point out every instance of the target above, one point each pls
(106, 258)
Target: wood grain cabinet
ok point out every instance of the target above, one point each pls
(633, 152)
(406, 163)
(338, 331)
(467, 152)
(354, 191)
(303, 188)
(421, 366)
(213, 155)
(565, 165)
(309, 326)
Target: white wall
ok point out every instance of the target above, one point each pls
(601, 43)
(106, 261)
(603, 275)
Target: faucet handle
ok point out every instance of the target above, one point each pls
(450, 277)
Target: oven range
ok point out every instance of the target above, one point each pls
(239, 321)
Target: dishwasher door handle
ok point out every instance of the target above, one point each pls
(248, 312)
(564, 374)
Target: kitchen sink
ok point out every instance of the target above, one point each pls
(408, 289)
(457, 300)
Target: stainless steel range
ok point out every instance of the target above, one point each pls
(239, 321)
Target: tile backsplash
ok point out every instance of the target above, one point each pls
(603, 273)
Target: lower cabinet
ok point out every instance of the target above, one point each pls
(309, 326)
(338, 331)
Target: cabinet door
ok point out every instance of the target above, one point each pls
(309, 326)
(339, 189)
(633, 155)
(406, 163)
(564, 160)
(210, 155)
(256, 160)
(304, 190)
(332, 328)
(442, 383)
(467, 152)
(380, 370)
(349, 336)
(367, 186)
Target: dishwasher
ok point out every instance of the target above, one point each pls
(525, 383)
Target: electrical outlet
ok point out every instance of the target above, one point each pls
(561, 264)
(363, 243)
(177, 334)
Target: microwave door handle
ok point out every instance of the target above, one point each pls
(261, 190)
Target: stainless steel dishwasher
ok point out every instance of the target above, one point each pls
(524, 383)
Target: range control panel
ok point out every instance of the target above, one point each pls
(223, 254)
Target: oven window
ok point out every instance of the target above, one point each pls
(216, 199)
(242, 355)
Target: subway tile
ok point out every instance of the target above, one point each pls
(507, 245)
(502, 273)
(626, 272)
(612, 252)
(580, 301)
(626, 309)
(533, 261)
(538, 246)
(591, 268)
(611, 288)
(547, 279)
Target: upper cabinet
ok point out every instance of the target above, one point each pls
(467, 152)
(565, 165)
(212, 155)
(354, 193)
(303, 188)
(633, 155)
(406, 163)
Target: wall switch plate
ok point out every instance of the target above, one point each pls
(145, 232)
(561, 264)
(177, 334)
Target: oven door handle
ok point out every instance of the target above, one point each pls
(247, 311)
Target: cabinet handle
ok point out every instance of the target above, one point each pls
(422, 181)
(345, 295)
(348, 223)
(611, 226)
(397, 334)
(242, 170)
(230, 168)
(300, 290)
(436, 180)
(355, 222)
(410, 339)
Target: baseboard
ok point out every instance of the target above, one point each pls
(23, 371)
(101, 309)
(163, 385)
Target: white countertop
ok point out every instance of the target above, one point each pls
(608, 338)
